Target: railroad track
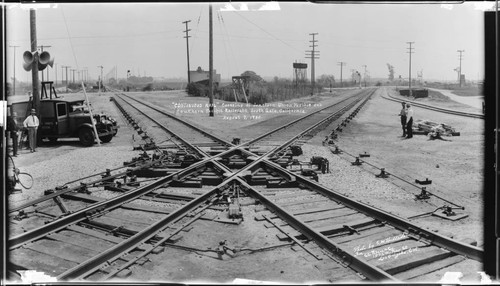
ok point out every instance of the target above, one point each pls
(132, 233)
(438, 109)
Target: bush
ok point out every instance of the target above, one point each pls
(196, 89)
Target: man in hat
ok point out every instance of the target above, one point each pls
(31, 122)
(402, 114)
(12, 127)
(409, 125)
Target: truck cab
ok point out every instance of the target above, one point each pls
(68, 119)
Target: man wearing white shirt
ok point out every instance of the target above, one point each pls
(409, 125)
(31, 122)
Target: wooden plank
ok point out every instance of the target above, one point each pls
(378, 236)
(347, 219)
(363, 234)
(31, 259)
(422, 256)
(95, 233)
(327, 215)
(302, 202)
(428, 268)
(93, 245)
(130, 225)
(62, 250)
(380, 254)
(336, 228)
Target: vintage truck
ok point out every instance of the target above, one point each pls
(61, 118)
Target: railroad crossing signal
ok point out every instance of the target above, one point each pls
(44, 59)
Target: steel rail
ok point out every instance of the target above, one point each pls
(464, 249)
(63, 191)
(364, 267)
(439, 109)
(98, 207)
(312, 127)
(116, 202)
(94, 263)
(294, 121)
(191, 146)
(213, 137)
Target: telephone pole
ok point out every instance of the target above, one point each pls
(312, 56)
(410, 51)
(73, 71)
(66, 67)
(364, 74)
(187, 46)
(460, 67)
(341, 64)
(34, 68)
(211, 63)
(55, 82)
(14, 84)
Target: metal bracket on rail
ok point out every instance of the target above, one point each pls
(358, 162)
(383, 174)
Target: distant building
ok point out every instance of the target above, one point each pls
(201, 76)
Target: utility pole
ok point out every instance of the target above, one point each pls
(100, 80)
(66, 67)
(41, 48)
(410, 51)
(34, 68)
(364, 75)
(55, 82)
(62, 75)
(312, 56)
(14, 84)
(187, 46)
(460, 67)
(341, 64)
(73, 71)
(211, 63)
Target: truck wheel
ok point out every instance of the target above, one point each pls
(106, 138)
(86, 137)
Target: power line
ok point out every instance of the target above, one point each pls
(262, 29)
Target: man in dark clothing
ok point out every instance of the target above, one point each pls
(409, 125)
(12, 127)
(402, 114)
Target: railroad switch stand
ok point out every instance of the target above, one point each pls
(383, 174)
(357, 162)
(448, 213)
(424, 195)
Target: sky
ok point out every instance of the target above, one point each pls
(148, 39)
